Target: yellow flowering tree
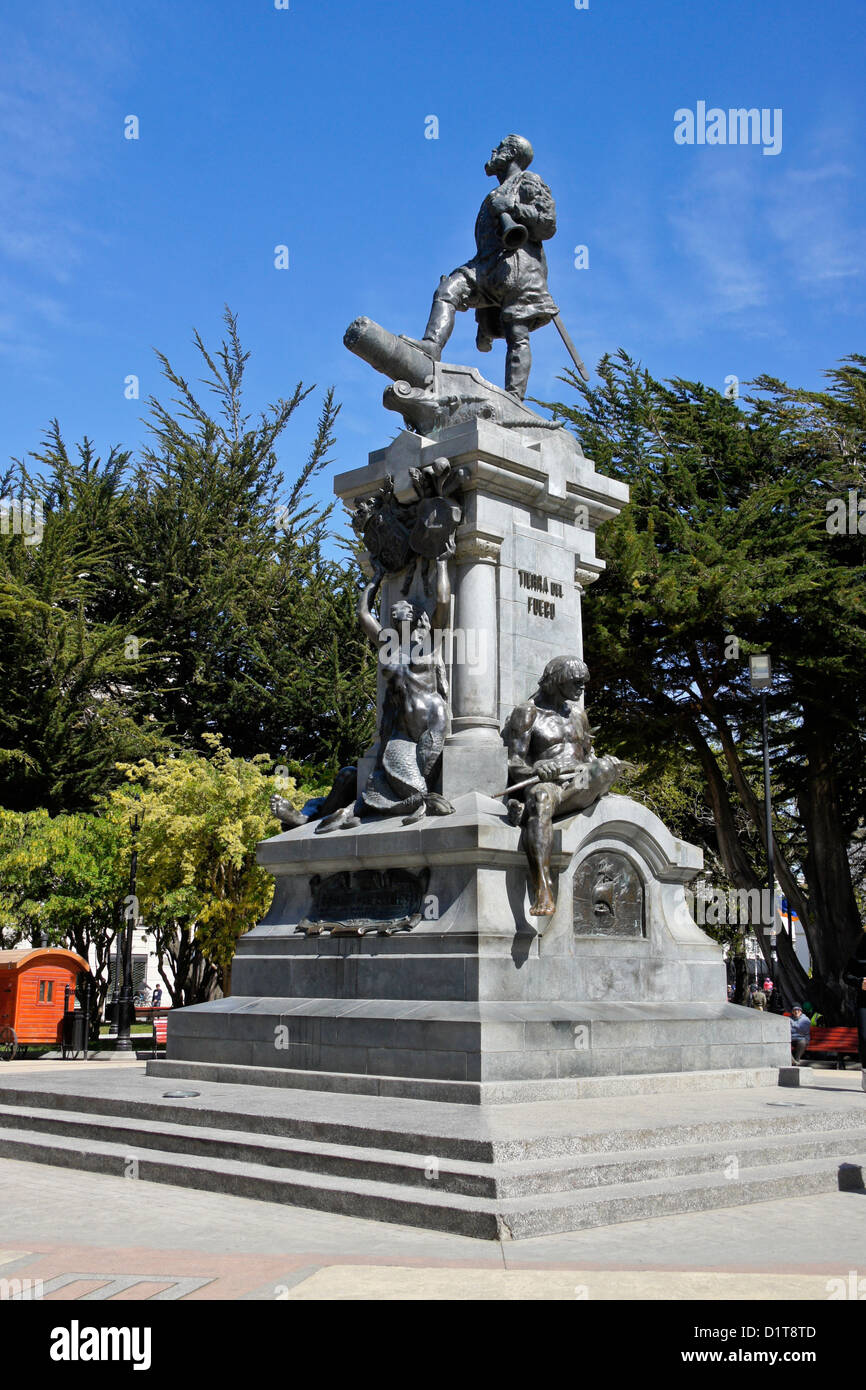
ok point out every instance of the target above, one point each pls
(199, 886)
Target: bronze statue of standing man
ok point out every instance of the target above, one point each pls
(506, 281)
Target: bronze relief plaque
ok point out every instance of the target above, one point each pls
(608, 897)
(366, 900)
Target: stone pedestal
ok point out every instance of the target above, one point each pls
(474, 992)
(470, 997)
(525, 552)
(470, 990)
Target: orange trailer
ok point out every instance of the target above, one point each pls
(33, 993)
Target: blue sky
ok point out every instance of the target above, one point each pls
(306, 127)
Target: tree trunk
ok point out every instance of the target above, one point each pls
(827, 870)
(738, 867)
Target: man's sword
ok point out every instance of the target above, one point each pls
(572, 350)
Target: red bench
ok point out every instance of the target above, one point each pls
(159, 1018)
(160, 1032)
(840, 1043)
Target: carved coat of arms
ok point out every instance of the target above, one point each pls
(422, 530)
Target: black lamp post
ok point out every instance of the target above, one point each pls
(125, 1013)
(761, 676)
(115, 988)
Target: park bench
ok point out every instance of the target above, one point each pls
(160, 1032)
(159, 1019)
(839, 1043)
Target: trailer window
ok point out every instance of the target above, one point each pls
(46, 991)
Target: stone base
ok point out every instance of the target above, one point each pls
(478, 1093)
(484, 1041)
(479, 993)
(499, 1173)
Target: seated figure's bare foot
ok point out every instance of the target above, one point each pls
(544, 904)
(289, 818)
(338, 820)
(544, 907)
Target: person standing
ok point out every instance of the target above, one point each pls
(855, 977)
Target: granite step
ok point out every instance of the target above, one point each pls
(382, 1165)
(356, 1197)
(465, 1092)
(735, 1157)
(427, 1203)
(314, 1120)
(419, 1128)
(550, 1215)
(515, 1179)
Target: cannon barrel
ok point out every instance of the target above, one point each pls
(394, 357)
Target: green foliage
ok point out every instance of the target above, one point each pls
(64, 877)
(724, 550)
(67, 708)
(199, 886)
(175, 605)
(184, 593)
(250, 626)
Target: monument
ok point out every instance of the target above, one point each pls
(473, 913)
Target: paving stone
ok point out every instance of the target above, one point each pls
(501, 1172)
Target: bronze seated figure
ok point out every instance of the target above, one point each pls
(552, 767)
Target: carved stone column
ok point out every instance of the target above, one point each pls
(474, 757)
(474, 655)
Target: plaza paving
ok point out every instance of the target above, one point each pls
(93, 1236)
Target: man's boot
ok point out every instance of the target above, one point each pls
(485, 334)
(438, 330)
(518, 362)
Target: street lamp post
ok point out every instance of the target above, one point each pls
(115, 989)
(125, 1007)
(761, 676)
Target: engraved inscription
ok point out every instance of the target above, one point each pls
(608, 897)
(539, 584)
